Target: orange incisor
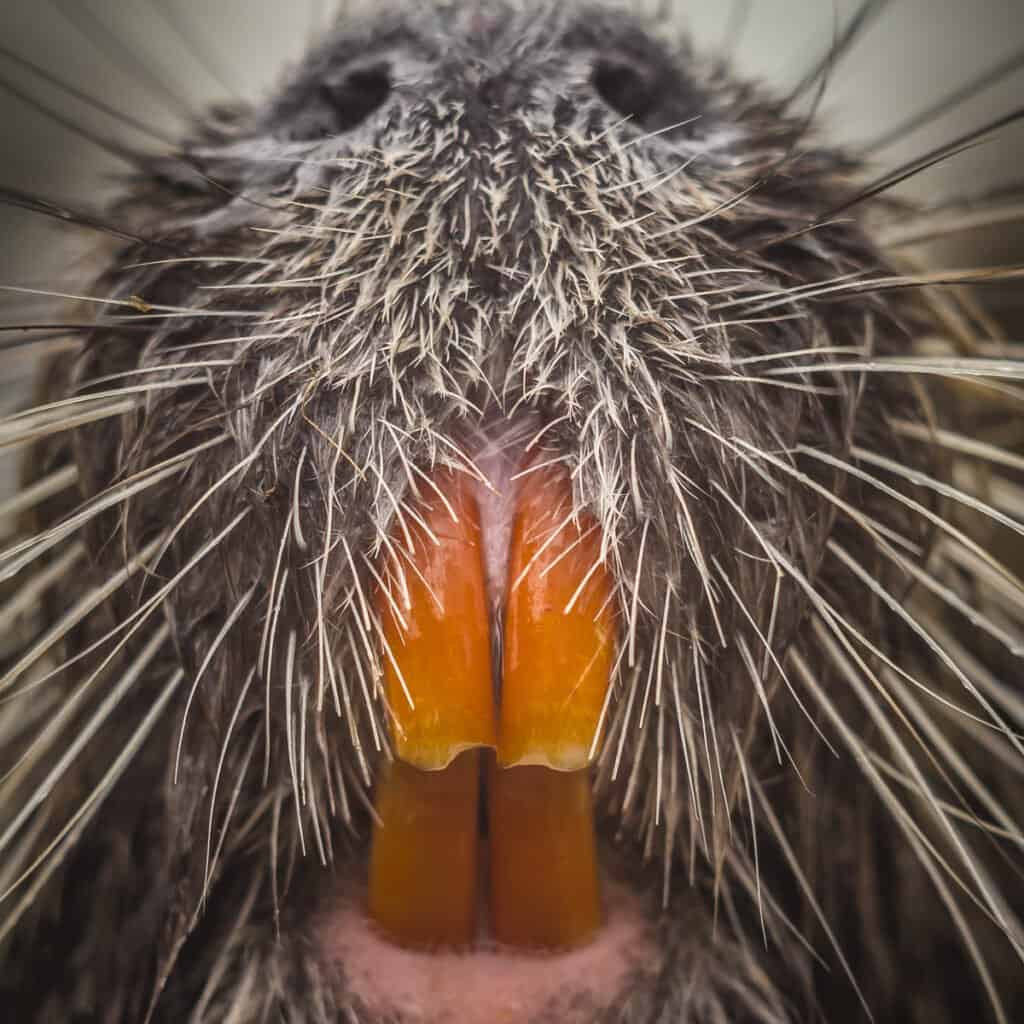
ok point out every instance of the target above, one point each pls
(558, 654)
(424, 858)
(544, 887)
(559, 630)
(559, 646)
(437, 656)
(423, 885)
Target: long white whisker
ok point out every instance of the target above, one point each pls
(68, 835)
(222, 634)
(232, 722)
(805, 886)
(83, 734)
(909, 830)
(79, 611)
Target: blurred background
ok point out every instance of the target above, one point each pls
(161, 60)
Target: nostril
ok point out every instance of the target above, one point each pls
(362, 91)
(627, 89)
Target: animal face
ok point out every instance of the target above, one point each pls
(517, 578)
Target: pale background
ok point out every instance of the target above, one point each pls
(137, 54)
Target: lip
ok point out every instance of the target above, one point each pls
(488, 984)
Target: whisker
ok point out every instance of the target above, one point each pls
(742, 762)
(869, 285)
(121, 54)
(108, 145)
(29, 594)
(930, 159)
(953, 441)
(930, 226)
(82, 735)
(943, 524)
(289, 731)
(35, 203)
(867, 12)
(952, 757)
(949, 101)
(67, 837)
(32, 434)
(196, 44)
(74, 401)
(897, 608)
(903, 821)
(801, 879)
(963, 369)
(211, 860)
(769, 655)
(35, 494)
(74, 615)
(16, 556)
(215, 646)
(121, 116)
(921, 479)
(131, 624)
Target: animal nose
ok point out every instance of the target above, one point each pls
(625, 86)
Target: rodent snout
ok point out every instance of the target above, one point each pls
(585, 67)
(620, 83)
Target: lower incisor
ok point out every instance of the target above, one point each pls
(544, 891)
(423, 885)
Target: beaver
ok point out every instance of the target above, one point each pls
(510, 364)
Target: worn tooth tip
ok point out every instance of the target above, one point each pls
(437, 669)
(559, 631)
(566, 758)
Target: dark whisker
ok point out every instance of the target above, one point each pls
(119, 54)
(14, 344)
(862, 19)
(196, 45)
(78, 218)
(735, 25)
(86, 98)
(108, 145)
(949, 102)
(922, 163)
(960, 216)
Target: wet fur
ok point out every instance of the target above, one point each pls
(328, 308)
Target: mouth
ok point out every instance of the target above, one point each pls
(485, 897)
